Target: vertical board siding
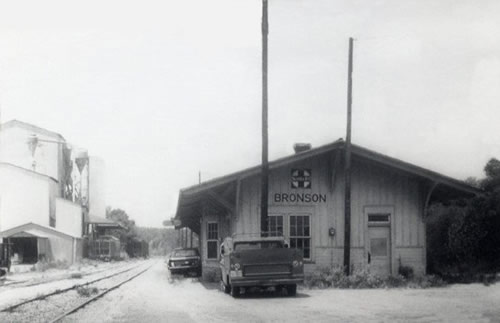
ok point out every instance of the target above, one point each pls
(421, 224)
(403, 212)
(372, 185)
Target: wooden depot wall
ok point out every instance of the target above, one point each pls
(374, 186)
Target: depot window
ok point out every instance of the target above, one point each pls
(275, 225)
(300, 234)
(212, 240)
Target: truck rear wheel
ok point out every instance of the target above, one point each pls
(291, 290)
(235, 291)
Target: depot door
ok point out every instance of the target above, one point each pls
(379, 250)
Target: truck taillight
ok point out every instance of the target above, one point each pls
(297, 263)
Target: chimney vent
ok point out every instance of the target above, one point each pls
(301, 147)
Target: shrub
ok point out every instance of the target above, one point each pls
(76, 275)
(405, 271)
(462, 235)
(211, 276)
(395, 281)
(363, 279)
(87, 291)
(44, 265)
(334, 277)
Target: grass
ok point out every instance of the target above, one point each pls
(87, 291)
(363, 279)
(76, 275)
(45, 265)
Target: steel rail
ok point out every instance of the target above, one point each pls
(60, 291)
(31, 282)
(94, 298)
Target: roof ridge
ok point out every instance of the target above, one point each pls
(338, 144)
(14, 122)
(29, 171)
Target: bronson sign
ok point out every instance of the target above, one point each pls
(299, 197)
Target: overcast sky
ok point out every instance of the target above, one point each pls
(163, 89)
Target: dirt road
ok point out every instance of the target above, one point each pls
(154, 297)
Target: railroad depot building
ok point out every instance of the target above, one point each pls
(389, 198)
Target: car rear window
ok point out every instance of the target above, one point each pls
(238, 246)
(185, 253)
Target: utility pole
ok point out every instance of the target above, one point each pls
(265, 162)
(347, 169)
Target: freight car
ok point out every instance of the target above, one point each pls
(106, 247)
(137, 248)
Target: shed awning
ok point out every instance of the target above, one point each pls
(29, 234)
(102, 222)
(35, 230)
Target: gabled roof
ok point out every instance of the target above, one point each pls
(36, 230)
(16, 123)
(337, 145)
(27, 171)
(189, 198)
(100, 221)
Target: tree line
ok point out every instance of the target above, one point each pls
(160, 240)
(463, 235)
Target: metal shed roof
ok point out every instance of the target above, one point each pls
(37, 230)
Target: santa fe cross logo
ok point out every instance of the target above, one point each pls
(301, 178)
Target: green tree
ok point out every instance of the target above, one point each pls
(491, 183)
(463, 234)
(128, 230)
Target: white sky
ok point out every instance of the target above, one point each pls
(163, 89)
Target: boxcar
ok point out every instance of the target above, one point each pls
(105, 248)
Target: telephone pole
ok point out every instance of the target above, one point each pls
(265, 163)
(347, 169)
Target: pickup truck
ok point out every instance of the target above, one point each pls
(260, 262)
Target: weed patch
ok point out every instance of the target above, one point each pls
(334, 277)
(45, 265)
(76, 275)
(87, 291)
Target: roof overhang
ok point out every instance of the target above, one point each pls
(29, 172)
(101, 222)
(34, 230)
(29, 234)
(188, 207)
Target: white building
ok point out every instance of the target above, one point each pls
(36, 189)
(48, 156)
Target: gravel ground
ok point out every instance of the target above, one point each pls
(44, 310)
(87, 267)
(10, 295)
(155, 297)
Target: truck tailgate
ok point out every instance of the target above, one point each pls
(264, 262)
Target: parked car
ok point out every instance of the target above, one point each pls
(260, 262)
(184, 261)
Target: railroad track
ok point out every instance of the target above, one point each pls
(92, 299)
(30, 282)
(44, 307)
